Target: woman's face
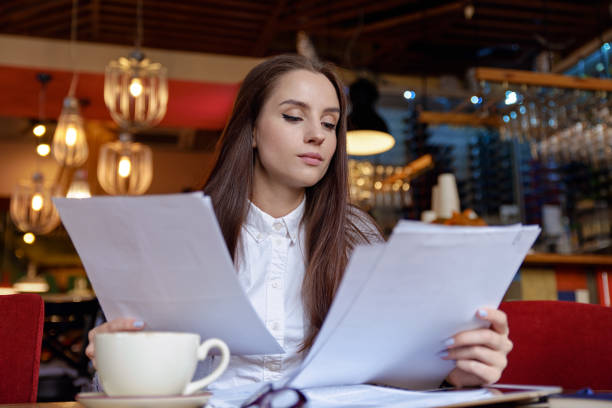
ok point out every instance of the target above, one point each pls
(295, 133)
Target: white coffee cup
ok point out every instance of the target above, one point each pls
(154, 363)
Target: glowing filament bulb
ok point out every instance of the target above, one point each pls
(37, 202)
(43, 149)
(71, 135)
(125, 167)
(39, 130)
(136, 87)
(29, 238)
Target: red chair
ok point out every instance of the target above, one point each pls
(559, 343)
(21, 329)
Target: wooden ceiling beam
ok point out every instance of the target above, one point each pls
(399, 20)
(177, 7)
(188, 21)
(95, 19)
(505, 24)
(128, 32)
(21, 14)
(494, 35)
(549, 6)
(206, 46)
(549, 18)
(412, 17)
(339, 11)
(458, 119)
(530, 78)
(61, 17)
(154, 25)
(270, 28)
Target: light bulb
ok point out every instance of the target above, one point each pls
(125, 167)
(71, 135)
(29, 238)
(37, 202)
(39, 130)
(43, 149)
(136, 87)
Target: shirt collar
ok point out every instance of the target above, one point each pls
(260, 224)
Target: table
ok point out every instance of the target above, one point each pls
(74, 404)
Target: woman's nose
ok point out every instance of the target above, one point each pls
(314, 135)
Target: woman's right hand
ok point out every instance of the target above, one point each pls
(120, 324)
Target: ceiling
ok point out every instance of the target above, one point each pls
(393, 36)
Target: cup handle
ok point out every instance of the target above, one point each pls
(202, 353)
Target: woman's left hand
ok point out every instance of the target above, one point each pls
(480, 354)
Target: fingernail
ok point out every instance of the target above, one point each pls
(139, 324)
(449, 342)
(443, 354)
(482, 313)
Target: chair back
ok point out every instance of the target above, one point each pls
(21, 329)
(559, 343)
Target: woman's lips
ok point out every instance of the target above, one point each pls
(312, 159)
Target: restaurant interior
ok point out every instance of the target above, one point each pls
(468, 112)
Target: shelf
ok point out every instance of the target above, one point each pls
(541, 259)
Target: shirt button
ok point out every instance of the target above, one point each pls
(278, 226)
(275, 284)
(275, 326)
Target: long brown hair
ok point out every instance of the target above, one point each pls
(329, 221)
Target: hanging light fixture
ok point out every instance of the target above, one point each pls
(136, 94)
(136, 89)
(69, 143)
(31, 207)
(368, 133)
(79, 188)
(40, 129)
(125, 167)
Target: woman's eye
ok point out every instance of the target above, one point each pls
(328, 125)
(291, 118)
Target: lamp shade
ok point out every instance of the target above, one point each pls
(125, 167)
(136, 91)
(367, 142)
(31, 207)
(69, 143)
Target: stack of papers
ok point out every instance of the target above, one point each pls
(162, 259)
(400, 301)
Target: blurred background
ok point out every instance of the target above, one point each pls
(463, 112)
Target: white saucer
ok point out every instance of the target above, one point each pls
(101, 400)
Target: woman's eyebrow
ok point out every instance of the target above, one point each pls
(306, 106)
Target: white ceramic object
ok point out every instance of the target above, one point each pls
(448, 196)
(101, 400)
(154, 363)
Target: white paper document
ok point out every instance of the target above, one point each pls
(357, 396)
(162, 259)
(399, 302)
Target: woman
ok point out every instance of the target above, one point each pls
(279, 189)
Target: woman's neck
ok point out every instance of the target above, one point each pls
(276, 200)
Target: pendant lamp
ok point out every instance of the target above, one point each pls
(135, 88)
(367, 131)
(31, 207)
(69, 143)
(125, 167)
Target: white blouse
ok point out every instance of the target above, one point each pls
(271, 266)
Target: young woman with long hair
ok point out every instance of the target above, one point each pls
(280, 192)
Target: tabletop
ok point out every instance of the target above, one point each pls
(74, 404)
